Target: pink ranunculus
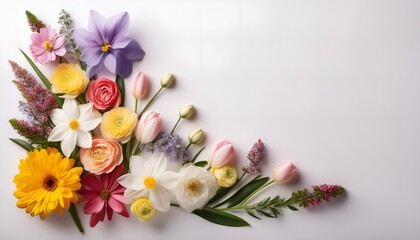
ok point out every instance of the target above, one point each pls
(103, 94)
(104, 195)
(148, 127)
(139, 86)
(221, 153)
(284, 172)
(46, 45)
(102, 157)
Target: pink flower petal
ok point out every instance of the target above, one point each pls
(95, 205)
(96, 217)
(115, 204)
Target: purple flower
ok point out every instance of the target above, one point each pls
(255, 156)
(105, 44)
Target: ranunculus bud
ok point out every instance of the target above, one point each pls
(284, 172)
(221, 153)
(226, 176)
(143, 209)
(167, 80)
(139, 85)
(196, 136)
(186, 111)
(148, 127)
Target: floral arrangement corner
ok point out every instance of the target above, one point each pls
(84, 146)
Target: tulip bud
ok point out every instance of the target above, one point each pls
(221, 153)
(139, 85)
(226, 176)
(148, 127)
(143, 209)
(186, 111)
(196, 136)
(284, 172)
(167, 80)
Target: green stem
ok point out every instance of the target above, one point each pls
(75, 217)
(188, 146)
(136, 145)
(150, 102)
(136, 104)
(176, 124)
(254, 192)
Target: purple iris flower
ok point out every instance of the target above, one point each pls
(105, 44)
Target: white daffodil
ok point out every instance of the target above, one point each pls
(148, 178)
(72, 125)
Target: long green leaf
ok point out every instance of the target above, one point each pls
(41, 76)
(201, 164)
(75, 216)
(246, 190)
(25, 145)
(120, 82)
(221, 192)
(220, 217)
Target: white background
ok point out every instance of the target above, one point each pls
(331, 85)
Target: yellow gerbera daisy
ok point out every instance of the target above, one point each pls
(47, 182)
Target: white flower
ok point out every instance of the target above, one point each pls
(72, 125)
(148, 178)
(195, 188)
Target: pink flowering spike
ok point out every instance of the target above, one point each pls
(104, 195)
(221, 154)
(255, 156)
(148, 127)
(284, 172)
(46, 45)
(139, 86)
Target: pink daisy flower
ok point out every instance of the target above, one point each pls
(46, 45)
(104, 195)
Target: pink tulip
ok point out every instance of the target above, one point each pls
(139, 85)
(148, 127)
(284, 172)
(221, 153)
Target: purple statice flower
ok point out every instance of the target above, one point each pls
(255, 156)
(39, 101)
(105, 44)
(320, 193)
(170, 144)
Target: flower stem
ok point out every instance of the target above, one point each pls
(254, 192)
(150, 102)
(75, 217)
(176, 124)
(136, 104)
(188, 146)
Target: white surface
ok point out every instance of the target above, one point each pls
(331, 85)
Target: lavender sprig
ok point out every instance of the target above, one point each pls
(170, 144)
(255, 156)
(66, 29)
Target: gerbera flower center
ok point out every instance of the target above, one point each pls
(74, 124)
(150, 182)
(50, 183)
(48, 45)
(106, 47)
(105, 194)
(193, 187)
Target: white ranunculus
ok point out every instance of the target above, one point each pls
(195, 188)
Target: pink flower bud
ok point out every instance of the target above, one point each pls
(148, 127)
(284, 172)
(221, 153)
(139, 85)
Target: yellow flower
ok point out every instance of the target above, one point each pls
(47, 182)
(143, 209)
(68, 79)
(226, 176)
(118, 124)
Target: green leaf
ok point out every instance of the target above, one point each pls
(220, 217)
(75, 217)
(25, 145)
(201, 164)
(252, 214)
(41, 76)
(246, 190)
(292, 208)
(223, 191)
(197, 154)
(120, 82)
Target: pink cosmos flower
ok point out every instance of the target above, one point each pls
(46, 45)
(104, 195)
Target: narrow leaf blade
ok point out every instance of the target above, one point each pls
(246, 190)
(201, 164)
(220, 217)
(292, 208)
(25, 145)
(121, 86)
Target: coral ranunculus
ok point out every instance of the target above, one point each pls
(104, 94)
(46, 183)
(118, 124)
(68, 79)
(102, 157)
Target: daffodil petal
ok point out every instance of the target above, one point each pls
(58, 133)
(84, 139)
(160, 199)
(58, 116)
(90, 121)
(139, 166)
(132, 195)
(85, 108)
(168, 179)
(70, 109)
(69, 143)
(159, 162)
(131, 181)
